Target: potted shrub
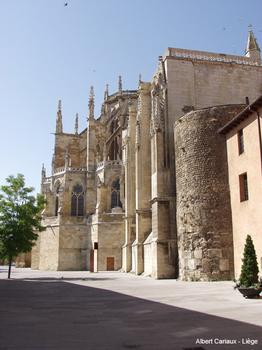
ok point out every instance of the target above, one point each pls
(248, 283)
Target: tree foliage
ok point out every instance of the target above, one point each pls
(20, 217)
(249, 269)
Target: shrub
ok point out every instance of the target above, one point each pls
(249, 269)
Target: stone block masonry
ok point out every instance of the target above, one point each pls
(205, 240)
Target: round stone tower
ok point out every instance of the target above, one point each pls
(204, 227)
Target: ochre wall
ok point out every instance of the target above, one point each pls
(247, 215)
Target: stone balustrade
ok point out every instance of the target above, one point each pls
(212, 57)
(50, 221)
(47, 180)
(107, 163)
(70, 169)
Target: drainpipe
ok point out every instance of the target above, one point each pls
(259, 133)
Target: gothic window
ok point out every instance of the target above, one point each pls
(77, 201)
(115, 151)
(115, 194)
(57, 200)
(114, 125)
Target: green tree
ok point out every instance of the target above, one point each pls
(20, 218)
(249, 268)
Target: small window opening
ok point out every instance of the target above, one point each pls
(243, 187)
(240, 137)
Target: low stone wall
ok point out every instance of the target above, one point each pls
(108, 231)
(148, 256)
(74, 247)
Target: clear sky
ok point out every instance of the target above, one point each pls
(50, 51)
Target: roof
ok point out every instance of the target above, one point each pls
(252, 42)
(241, 116)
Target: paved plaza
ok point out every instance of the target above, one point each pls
(113, 310)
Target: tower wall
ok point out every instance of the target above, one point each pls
(73, 145)
(203, 81)
(205, 240)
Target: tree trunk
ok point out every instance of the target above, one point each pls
(9, 266)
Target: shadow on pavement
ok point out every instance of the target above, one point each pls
(64, 279)
(59, 315)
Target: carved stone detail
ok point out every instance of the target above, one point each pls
(138, 117)
(158, 105)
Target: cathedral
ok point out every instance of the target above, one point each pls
(144, 187)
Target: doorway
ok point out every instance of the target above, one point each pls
(110, 263)
(91, 261)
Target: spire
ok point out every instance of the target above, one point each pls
(59, 122)
(139, 79)
(91, 103)
(106, 94)
(120, 84)
(43, 171)
(252, 49)
(76, 124)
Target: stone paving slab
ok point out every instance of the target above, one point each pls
(113, 310)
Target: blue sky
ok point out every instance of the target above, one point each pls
(49, 51)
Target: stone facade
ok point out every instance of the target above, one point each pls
(205, 239)
(144, 187)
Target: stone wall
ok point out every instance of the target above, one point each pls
(205, 240)
(64, 245)
(49, 246)
(199, 84)
(142, 176)
(23, 260)
(74, 246)
(35, 254)
(108, 230)
(128, 156)
(74, 145)
(148, 256)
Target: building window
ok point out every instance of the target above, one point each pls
(240, 138)
(77, 201)
(115, 150)
(243, 187)
(115, 194)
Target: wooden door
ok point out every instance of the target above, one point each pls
(110, 263)
(91, 261)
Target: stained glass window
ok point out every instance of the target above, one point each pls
(77, 201)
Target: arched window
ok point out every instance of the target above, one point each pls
(112, 127)
(115, 151)
(57, 199)
(77, 201)
(115, 194)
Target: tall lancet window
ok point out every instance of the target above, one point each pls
(57, 200)
(115, 194)
(115, 151)
(77, 201)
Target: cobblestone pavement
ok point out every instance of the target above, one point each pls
(113, 310)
